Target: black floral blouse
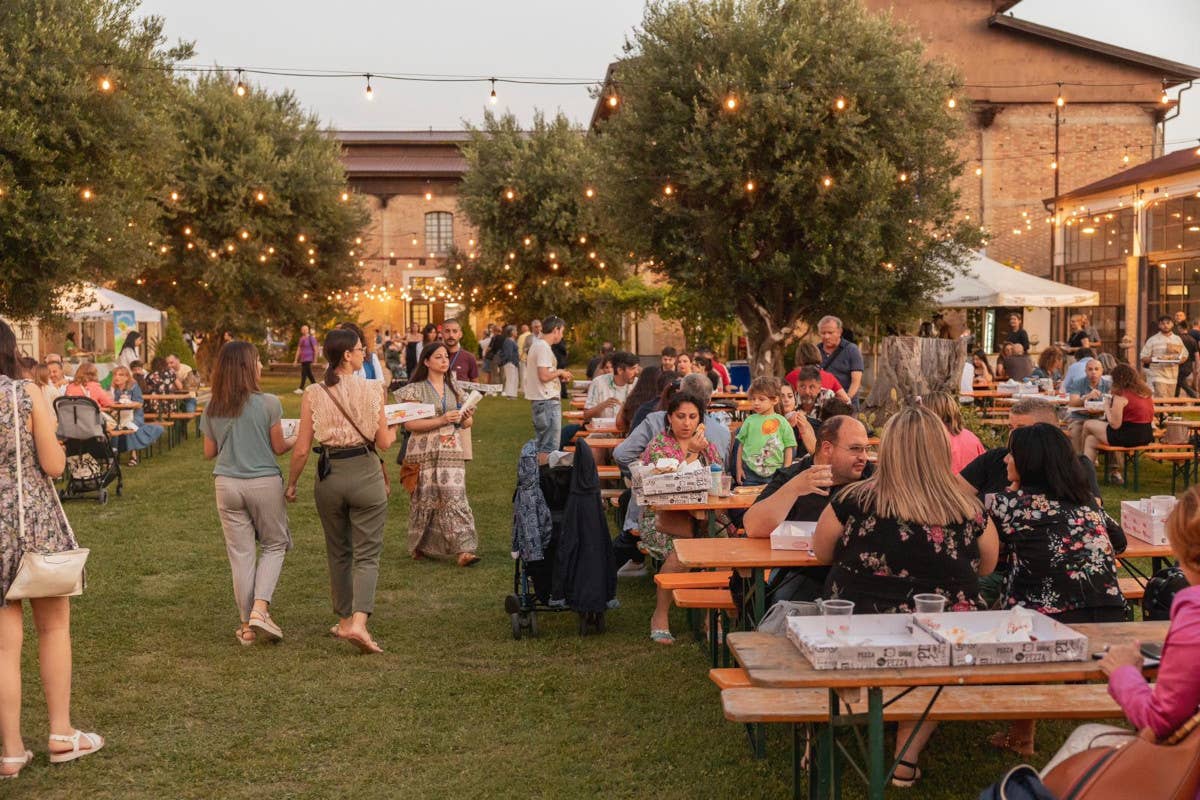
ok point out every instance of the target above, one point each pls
(1059, 553)
(880, 563)
(161, 382)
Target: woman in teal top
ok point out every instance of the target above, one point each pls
(242, 431)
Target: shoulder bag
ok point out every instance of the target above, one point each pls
(367, 440)
(42, 574)
(1169, 770)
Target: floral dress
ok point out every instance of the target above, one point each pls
(161, 382)
(46, 527)
(1059, 552)
(880, 562)
(440, 521)
(654, 542)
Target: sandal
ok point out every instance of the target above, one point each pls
(262, 623)
(661, 637)
(245, 635)
(906, 783)
(94, 739)
(1005, 741)
(22, 760)
(467, 559)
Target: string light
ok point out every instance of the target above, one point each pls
(1053, 165)
(952, 103)
(260, 196)
(301, 238)
(105, 84)
(731, 102)
(1125, 158)
(528, 241)
(1166, 98)
(1060, 101)
(668, 190)
(903, 177)
(827, 182)
(589, 192)
(979, 171)
(509, 194)
(750, 186)
(345, 197)
(492, 98)
(428, 196)
(369, 92)
(240, 88)
(613, 101)
(245, 234)
(174, 197)
(840, 104)
(86, 193)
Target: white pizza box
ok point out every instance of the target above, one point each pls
(673, 499)
(693, 477)
(1016, 636)
(1008, 387)
(397, 413)
(793, 536)
(603, 424)
(482, 388)
(1093, 405)
(1142, 524)
(290, 427)
(866, 641)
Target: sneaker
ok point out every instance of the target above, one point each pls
(632, 569)
(297, 391)
(1116, 478)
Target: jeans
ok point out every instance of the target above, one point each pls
(306, 373)
(189, 405)
(547, 424)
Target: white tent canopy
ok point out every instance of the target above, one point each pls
(95, 302)
(990, 283)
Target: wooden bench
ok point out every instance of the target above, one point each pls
(1132, 588)
(186, 417)
(717, 603)
(708, 599)
(1182, 465)
(693, 580)
(729, 678)
(1134, 455)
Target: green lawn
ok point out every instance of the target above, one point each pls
(455, 708)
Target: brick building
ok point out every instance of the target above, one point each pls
(410, 181)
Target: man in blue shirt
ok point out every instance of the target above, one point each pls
(839, 357)
(1078, 368)
(631, 450)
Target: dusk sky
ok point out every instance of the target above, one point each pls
(535, 38)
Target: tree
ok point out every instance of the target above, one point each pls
(783, 160)
(531, 197)
(83, 163)
(172, 342)
(262, 231)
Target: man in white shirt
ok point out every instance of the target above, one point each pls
(542, 377)
(607, 393)
(1161, 356)
(183, 381)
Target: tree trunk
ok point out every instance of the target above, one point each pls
(909, 367)
(764, 341)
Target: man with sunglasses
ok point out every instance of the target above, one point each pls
(799, 493)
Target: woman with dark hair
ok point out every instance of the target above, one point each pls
(344, 415)
(983, 370)
(1061, 559)
(371, 369)
(645, 390)
(161, 380)
(703, 365)
(1128, 413)
(242, 431)
(684, 441)
(129, 350)
(32, 520)
(440, 522)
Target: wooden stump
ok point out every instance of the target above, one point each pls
(909, 366)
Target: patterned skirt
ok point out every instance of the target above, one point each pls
(440, 522)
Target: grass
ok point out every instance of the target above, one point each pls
(455, 708)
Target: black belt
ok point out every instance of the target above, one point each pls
(343, 452)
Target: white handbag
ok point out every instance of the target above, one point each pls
(43, 574)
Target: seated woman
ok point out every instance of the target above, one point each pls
(1126, 420)
(1050, 365)
(1060, 557)
(682, 440)
(161, 380)
(983, 372)
(912, 527)
(87, 384)
(646, 389)
(126, 390)
(965, 446)
(803, 426)
(1175, 695)
(702, 365)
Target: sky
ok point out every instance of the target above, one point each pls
(537, 38)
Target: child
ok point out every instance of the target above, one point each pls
(766, 438)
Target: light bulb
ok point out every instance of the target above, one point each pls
(668, 190)
(731, 103)
(979, 170)
(1060, 101)
(244, 234)
(174, 197)
(827, 182)
(86, 193)
(345, 196)
(301, 238)
(903, 177)
(612, 101)
(1053, 165)
(492, 98)
(952, 103)
(509, 194)
(368, 92)
(240, 88)
(1166, 98)
(105, 84)
(749, 186)
(589, 192)
(260, 196)
(429, 196)
(840, 104)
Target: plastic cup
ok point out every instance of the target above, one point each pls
(835, 612)
(726, 485)
(929, 603)
(1162, 504)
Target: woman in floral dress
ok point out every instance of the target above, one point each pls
(683, 440)
(32, 520)
(440, 522)
(1057, 543)
(161, 380)
(912, 527)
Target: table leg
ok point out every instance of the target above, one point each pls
(876, 769)
(712, 523)
(760, 592)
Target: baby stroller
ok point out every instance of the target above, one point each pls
(91, 461)
(561, 544)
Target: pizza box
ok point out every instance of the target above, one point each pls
(866, 641)
(1016, 636)
(398, 413)
(290, 427)
(1142, 524)
(793, 536)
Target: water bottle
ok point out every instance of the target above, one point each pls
(714, 484)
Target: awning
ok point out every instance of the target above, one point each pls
(94, 302)
(990, 283)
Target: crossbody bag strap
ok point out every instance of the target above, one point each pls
(366, 439)
(20, 481)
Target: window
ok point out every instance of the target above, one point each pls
(439, 232)
(1099, 239)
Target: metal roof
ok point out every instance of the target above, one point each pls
(362, 165)
(402, 137)
(1154, 170)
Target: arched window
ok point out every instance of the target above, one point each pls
(439, 232)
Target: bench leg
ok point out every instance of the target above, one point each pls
(1137, 462)
(877, 771)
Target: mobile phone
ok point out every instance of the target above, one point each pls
(1152, 654)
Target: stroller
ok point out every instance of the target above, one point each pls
(561, 546)
(91, 460)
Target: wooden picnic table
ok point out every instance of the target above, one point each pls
(609, 472)
(775, 662)
(712, 505)
(729, 395)
(573, 415)
(754, 555)
(579, 404)
(598, 442)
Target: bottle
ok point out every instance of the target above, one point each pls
(714, 483)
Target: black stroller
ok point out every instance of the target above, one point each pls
(91, 460)
(561, 544)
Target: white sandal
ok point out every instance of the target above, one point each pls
(94, 739)
(23, 760)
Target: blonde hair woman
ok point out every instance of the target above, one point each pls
(965, 446)
(912, 527)
(87, 384)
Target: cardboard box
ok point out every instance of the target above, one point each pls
(676, 499)
(397, 413)
(643, 477)
(1142, 524)
(483, 388)
(290, 427)
(869, 641)
(974, 638)
(793, 536)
